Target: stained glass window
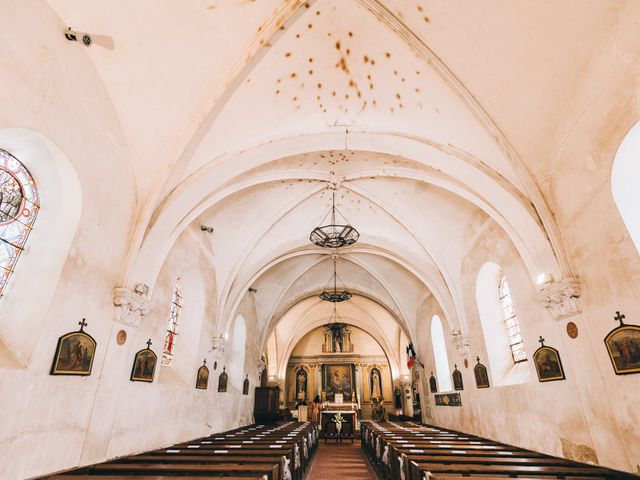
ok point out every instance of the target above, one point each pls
(172, 327)
(511, 321)
(19, 205)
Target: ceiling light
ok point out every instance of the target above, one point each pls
(334, 234)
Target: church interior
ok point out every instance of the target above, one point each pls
(362, 224)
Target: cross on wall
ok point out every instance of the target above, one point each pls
(619, 317)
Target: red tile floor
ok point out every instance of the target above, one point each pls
(343, 461)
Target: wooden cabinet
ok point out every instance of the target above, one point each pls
(266, 408)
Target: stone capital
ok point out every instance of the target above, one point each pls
(130, 306)
(217, 347)
(461, 342)
(561, 298)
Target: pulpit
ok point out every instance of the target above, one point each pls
(266, 407)
(333, 428)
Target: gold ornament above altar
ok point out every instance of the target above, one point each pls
(337, 339)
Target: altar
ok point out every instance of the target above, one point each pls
(338, 424)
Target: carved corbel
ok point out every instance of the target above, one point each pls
(561, 298)
(130, 306)
(461, 342)
(217, 347)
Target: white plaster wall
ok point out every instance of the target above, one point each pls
(573, 418)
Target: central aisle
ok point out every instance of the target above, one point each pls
(344, 461)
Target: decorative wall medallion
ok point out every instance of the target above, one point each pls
(144, 365)
(215, 365)
(121, 337)
(74, 353)
(548, 363)
(466, 363)
(202, 379)
(623, 345)
(572, 330)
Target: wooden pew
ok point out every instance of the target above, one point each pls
(425, 450)
(253, 452)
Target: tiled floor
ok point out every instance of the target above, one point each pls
(344, 462)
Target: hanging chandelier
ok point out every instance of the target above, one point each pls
(334, 234)
(335, 320)
(334, 295)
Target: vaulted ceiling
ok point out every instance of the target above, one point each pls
(429, 117)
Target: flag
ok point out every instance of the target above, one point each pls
(411, 355)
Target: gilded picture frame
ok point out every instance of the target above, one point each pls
(202, 378)
(548, 364)
(74, 354)
(623, 347)
(144, 366)
(481, 375)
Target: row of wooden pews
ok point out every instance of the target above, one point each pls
(410, 451)
(257, 452)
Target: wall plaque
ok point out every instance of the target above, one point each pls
(572, 330)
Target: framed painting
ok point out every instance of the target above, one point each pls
(202, 379)
(223, 380)
(481, 375)
(457, 378)
(548, 363)
(448, 400)
(144, 365)
(433, 385)
(623, 346)
(339, 379)
(74, 353)
(245, 386)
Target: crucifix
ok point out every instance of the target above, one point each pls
(204, 361)
(541, 340)
(149, 344)
(478, 359)
(619, 318)
(82, 324)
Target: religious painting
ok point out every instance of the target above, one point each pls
(301, 384)
(74, 353)
(223, 379)
(245, 386)
(481, 374)
(623, 345)
(144, 365)
(433, 385)
(448, 400)
(548, 364)
(375, 383)
(339, 379)
(337, 339)
(457, 378)
(202, 380)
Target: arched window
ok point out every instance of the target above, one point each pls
(624, 182)
(516, 344)
(501, 328)
(19, 205)
(440, 354)
(238, 346)
(175, 310)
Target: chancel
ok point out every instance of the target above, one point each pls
(293, 239)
